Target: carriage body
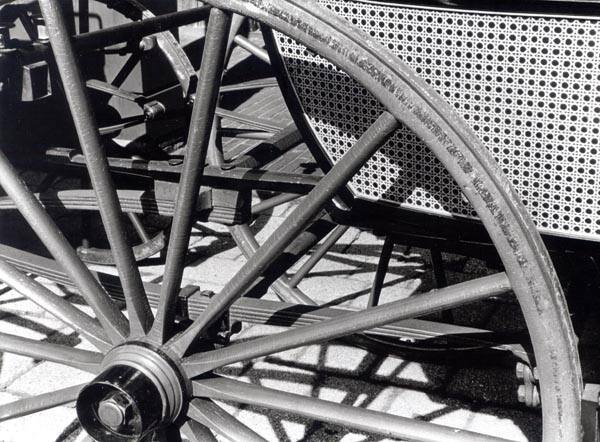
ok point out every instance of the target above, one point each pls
(524, 76)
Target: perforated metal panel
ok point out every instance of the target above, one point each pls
(528, 85)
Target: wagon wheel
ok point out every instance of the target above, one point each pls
(152, 379)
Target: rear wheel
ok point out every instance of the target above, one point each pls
(155, 375)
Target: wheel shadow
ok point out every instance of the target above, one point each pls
(375, 381)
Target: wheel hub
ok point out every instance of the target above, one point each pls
(138, 390)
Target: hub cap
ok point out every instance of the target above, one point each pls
(138, 390)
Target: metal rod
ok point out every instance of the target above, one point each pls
(382, 268)
(201, 122)
(139, 29)
(245, 134)
(82, 359)
(255, 122)
(275, 201)
(54, 304)
(318, 254)
(30, 405)
(138, 226)
(306, 210)
(345, 415)
(218, 420)
(437, 263)
(107, 312)
(140, 315)
(258, 52)
(249, 85)
(351, 323)
(196, 432)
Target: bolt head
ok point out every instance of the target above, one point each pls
(521, 395)
(147, 43)
(112, 412)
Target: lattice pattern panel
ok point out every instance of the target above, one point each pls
(528, 85)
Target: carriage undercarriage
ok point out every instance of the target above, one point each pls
(174, 360)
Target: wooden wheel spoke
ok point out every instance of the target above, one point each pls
(203, 113)
(219, 421)
(53, 304)
(43, 225)
(196, 432)
(329, 242)
(24, 407)
(84, 360)
(346, 415)
(350, 323)
(140, 315)
(296, 222)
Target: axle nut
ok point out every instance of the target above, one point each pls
(113, 412)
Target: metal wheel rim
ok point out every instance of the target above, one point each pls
(528, 267)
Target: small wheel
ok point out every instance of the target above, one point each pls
(154, 375)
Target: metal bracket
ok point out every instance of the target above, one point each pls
(589, 412)
(528, 392)
(183, 297)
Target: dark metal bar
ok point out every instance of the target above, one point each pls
(54, 304)
(43, 225)
(249, 85)
(140, 315)
(84, 16)
(110, 89)
(203, 113)
(218, 420)
(126, 69)
(138, 226)
(306, 210)
(139, 29)
(227, 177)
(318, 254)
(234, 132)
(355, 322)
(275, 201)
(123, 124)
(30, 405)
(258, 52)
(82, 359)
(258, 123)
(382, 268)
(196, 432)
(345, 415)
(437, 263)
